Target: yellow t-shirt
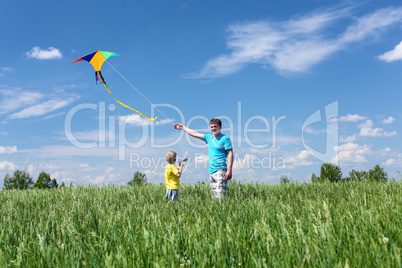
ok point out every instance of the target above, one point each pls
(171, 179)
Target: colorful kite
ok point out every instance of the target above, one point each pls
(97, 58)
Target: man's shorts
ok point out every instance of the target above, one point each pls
(218, 183)
(172, 195)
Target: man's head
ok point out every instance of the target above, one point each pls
(215, 125)
(171, 157)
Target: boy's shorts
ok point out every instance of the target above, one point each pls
(172, 195)
(218, 183)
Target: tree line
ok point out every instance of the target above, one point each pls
(22, 180)
(333, 173)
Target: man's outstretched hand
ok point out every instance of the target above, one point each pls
(178, 126)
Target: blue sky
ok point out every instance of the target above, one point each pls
(296, 84)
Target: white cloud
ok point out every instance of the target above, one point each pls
(31, 169)
(297, 44)
(8, 149)
(367, 130)
(49, 166)
(84, 165)
(5, 69)
(348, 139)
(311, 130)
(389, 162)
(7, 165)
(138, 120)
(392, 55)
(351, 118)
(24, 104)
(303, 154)
(299, 160)
(94, 135)
(352, 153)
(14, 99)
(200, 160)
(97, 180)
(43, 108)
(300, 156)
(386, 153)
(64, 151)
(285, 140)
(110, 176)
(63, 176)
(303, 163)
(388, 120)
(43, 54)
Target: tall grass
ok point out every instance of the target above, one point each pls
(321, 225)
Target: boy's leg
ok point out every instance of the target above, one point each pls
(172, 195)
(175, 195)
(218, 183)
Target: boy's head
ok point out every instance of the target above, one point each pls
(171, 157)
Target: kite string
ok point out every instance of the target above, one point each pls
(139, 92)
(147, 101)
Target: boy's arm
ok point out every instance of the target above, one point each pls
(189, 131)
(180, 168)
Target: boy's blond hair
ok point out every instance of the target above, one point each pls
(171, 157)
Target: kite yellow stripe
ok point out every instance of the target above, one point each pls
(152, 119)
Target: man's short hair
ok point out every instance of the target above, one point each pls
(170, 157)
(216, 121)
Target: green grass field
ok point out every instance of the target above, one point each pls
(319, 225)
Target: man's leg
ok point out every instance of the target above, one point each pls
(218, 183)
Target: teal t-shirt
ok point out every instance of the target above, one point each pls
(217, 151)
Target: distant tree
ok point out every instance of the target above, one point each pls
(285, 179)
(62, 185)
(21, 180)
(330, 172)
(138, 179)
(378, 174)
(314, 178)
(45, 182)
(357, 175)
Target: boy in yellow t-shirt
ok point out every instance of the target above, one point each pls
(172, 175)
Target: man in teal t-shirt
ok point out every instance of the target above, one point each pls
(219, 149)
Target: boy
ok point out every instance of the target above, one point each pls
(172, 175)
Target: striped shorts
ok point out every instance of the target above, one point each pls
(218, 183)
(172, 195)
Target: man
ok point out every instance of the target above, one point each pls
(219, 148)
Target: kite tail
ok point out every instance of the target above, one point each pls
(101, 78)
(98, 78)
(119, 102)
